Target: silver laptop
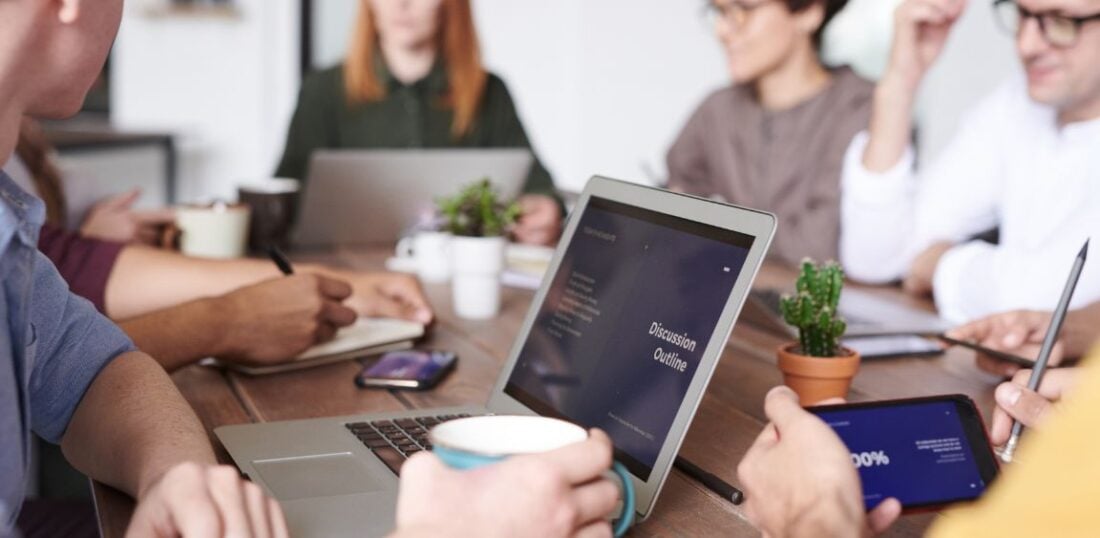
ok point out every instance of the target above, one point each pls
(866, 314)
(393, 190)
(623, 334)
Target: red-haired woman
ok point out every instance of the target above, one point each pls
(413, 78)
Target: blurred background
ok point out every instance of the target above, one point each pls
(198, 94)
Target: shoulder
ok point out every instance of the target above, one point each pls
(724, 100)
(853, 90)
(324, 83)
(720, 107)
(496, 88)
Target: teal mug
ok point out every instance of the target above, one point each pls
(473, 442)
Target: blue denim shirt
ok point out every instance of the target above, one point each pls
(52, 345)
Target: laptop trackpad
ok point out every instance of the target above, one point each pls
(324, 475)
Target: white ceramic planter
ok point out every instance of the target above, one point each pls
(476, 264)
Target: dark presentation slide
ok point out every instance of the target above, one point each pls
(625, 323)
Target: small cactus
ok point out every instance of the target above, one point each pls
(813, 309)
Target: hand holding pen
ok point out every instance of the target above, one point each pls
(1048, 346)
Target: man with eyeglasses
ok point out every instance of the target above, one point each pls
(1026, 160)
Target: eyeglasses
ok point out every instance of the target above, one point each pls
(1058, 30)
(734, 12)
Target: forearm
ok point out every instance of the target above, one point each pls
(891, 124)
(132, 426)
(197, 330)
(145, 279)
(877, 217)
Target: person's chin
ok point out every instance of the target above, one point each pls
(1045, 86)
(739, 74)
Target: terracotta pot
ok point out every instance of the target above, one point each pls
(816, 378)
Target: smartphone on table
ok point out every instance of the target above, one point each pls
(409, 369)
(925, 452)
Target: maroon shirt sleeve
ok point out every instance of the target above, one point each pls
(84, 263)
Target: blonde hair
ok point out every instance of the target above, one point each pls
(458, 44)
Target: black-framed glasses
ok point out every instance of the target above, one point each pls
(1058, 30)
(734, 12)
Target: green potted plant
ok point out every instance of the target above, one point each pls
(817, 366)
(479, 221)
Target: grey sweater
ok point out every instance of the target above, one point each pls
(787, 162)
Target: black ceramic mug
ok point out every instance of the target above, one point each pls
(274, 204)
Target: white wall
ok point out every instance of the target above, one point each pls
(603, 86)
(223, 84)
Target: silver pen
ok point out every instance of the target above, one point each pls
(1048, 345)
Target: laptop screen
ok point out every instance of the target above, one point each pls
(625, 323)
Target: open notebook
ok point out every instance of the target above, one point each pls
(367, 336)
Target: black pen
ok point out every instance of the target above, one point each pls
(1048, 345)
(280, 260)
(713, 483)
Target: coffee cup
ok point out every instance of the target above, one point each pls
(474, 442)
(216, 230)
(429, 252)
(274, 204)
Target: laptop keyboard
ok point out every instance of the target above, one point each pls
(394, 441)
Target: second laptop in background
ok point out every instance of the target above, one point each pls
(394, 190)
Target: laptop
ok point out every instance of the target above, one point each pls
(395, 190)
(866, 314)
(623, 334)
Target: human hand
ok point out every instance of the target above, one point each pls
(558, 493)
(386, 295)
(921, 28)
(923, 269)
(539, 221)
(193, 500)
(799, 479)
(114, 219)
(1015, 401)
(275, 320)
(1020, 333)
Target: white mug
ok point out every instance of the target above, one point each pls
(430, 254)
(215, 231)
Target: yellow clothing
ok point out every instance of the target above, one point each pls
(1054, 489)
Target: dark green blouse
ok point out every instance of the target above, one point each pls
(410, 116)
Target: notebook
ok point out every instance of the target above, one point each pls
(367, 336)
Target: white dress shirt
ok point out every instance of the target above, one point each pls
(1010, 166)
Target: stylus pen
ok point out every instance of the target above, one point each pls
(713, 483)
(280, 260)
(1048, 345)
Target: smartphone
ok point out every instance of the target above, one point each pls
(410, 369)
(999, 355)
(925, 452)
(883, 347)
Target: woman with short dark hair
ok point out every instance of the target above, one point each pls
(775, 139)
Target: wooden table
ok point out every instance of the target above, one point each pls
(728, 420)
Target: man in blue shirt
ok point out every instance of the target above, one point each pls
(73, 377)
(67, 373)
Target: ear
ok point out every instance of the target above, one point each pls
(809, 19)
(68, 11)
